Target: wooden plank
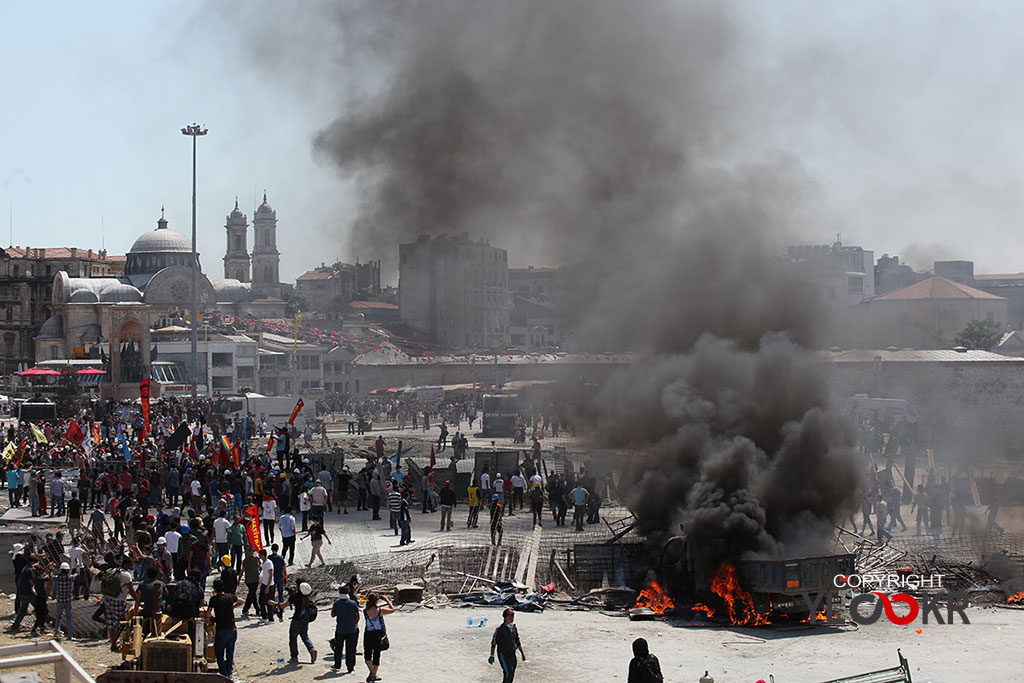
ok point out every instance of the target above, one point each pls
(564, 576)
(531, 567)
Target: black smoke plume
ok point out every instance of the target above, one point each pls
(609, 136)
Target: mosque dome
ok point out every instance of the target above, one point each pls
(120, 293)
(236, 213)
(158, 249)
(264, 208)
(83, 296)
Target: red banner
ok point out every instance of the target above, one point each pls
(74, 433)
(97, 435)
(236, 455)
(144, 395)
(252, 529)
(295, 413)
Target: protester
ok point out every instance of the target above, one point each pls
(506, 641)
(375, 633)
(346, 629)
(303, 612)
(644, 667)
(222, 614)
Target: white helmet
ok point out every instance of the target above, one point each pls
(305, 588)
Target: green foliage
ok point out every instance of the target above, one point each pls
(294, 300)
(980, 334)
(69, 393)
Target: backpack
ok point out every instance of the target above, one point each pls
(110, 583)
(650, 670)
(182, 604)
(309, 612)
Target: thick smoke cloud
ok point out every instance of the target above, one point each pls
(747, 454)
(604, 135)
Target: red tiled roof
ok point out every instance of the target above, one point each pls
(316, 275)
(373, 304)
(57, 253)
(937, 288)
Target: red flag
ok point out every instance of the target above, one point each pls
(270, 443)
(252, 529)
(144, 395)
(295, 413)
(74, 433)
(236, 455)
(432, 461)
(96, 434)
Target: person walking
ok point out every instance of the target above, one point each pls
(74, 515)
(63, 593)
(266, 586)
(497, 524)
(303, 611)
(222, 615)
(920, 503)
(537, 504)
(506, 641)
(447, 498)
(251, 575)
(287, 526)
(644, 667)
(375, 633)
(116, 585)
(346, 629)
(394, 507)
(317, 534)
(405, 519)
(268, 513)
(473, 500)
(579, 498)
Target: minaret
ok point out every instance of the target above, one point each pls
(236, 259)
(265, 257)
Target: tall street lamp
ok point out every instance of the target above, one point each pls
(194, 131)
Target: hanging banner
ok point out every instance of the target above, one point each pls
(252, 528)
(236, 455)
(144, 395)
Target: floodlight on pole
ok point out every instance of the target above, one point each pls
(194, 131)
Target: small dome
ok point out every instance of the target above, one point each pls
(92, 332)
(264, 208)
(161, 240)
(53, 328)
(83, 296)
(229, 291)
(120, 293)
(236, 213)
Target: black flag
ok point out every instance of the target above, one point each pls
(177, 439)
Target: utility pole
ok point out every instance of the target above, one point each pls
(194, 131)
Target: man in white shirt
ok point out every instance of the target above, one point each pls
(518, 484)
(220, 534)
(197, 494)
(485, 485)
(269, 517)
(266, 585)
(77, 555)
(318, 501)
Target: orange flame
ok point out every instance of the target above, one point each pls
(738, 601)
(655, 599)
(700, 607)
(1016, 599)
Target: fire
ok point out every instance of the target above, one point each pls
(654, 598)
(1016, 599)
(700, 607)
(738, 601)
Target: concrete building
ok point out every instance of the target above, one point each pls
(338, 371)
(544, 284)
(286, 367)
(455, 290)
(376, 311)
(332, 288)
(927, 313)
(229, 361)
(26, 287)
(844, 275)
(891, 275)
(535, 324)
(236, 258)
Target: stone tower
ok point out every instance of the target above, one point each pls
(236, 259)
(265, 257)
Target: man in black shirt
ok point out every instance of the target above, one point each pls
(151, 590)
(506, 641)
(228, 575)
(346, 629)
(644, 667)
(74, 514)
(300, 601)
(222, 614)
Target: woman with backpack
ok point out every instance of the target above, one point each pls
(375, 637)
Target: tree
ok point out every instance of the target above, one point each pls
(69, 393)
(980, 334)
(294, 300)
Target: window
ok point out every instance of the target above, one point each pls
(238, 242)
(54, 352)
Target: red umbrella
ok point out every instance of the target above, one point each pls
(38, 372)
(91, 371)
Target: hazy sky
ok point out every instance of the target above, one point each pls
(907, 115)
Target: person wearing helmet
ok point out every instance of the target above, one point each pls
(303, 611)
(497, 523)
(63, 592)
(506, 641)
(228, 576)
